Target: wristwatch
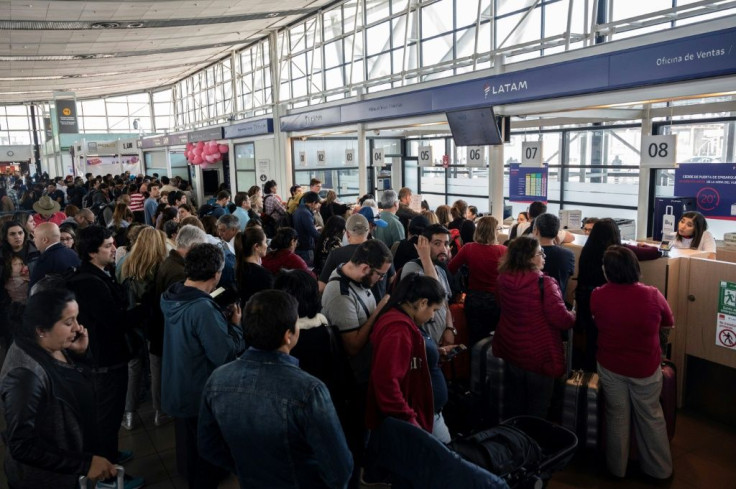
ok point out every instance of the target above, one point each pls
(452, 328)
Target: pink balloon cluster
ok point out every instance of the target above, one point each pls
(203, 152)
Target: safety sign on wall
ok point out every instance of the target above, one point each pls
(726, 322)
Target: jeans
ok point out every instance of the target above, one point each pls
(198, 472)
(627, 396)
(155, 363)
(110, 389)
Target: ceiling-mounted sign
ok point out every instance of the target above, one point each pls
(531, 153)
(377, 157)
(127, 147)
(66, 116)
(321, 158)
(475, 156)
(205, 134)
(658, 150)
(302, 158)
(249, 128)
(425, 156)
(350, 157)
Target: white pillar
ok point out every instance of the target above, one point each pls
(362, 161)
(495, 181)
(643, 202)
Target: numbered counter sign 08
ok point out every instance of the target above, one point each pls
(658, 150)
(531, 153)
(425, 156)
(476, 155)
(377, 157)
(349, 157)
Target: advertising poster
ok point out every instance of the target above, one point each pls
(66, 116)
(712, 184)
(726, 322)
(527, 184)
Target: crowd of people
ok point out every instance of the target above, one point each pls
(277, 333)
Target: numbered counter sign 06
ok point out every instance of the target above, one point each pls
(321, 158)
(658, 150)
(425, 156)
(476, 156)
(377, 157)
(531, 153)
(349, 157)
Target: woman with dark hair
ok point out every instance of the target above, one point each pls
(605, 233)
(466, 227)
(693, 234)
(481, 258)
(282, 256)
(443, 214)
(629, 357)
(68, 234)
(316, 350)
(406, 382)
(330, 239)
(26, 219)
(250, 275)
(528, 333)
(48, 401)
(331, 207)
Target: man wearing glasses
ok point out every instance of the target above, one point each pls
(588, 224)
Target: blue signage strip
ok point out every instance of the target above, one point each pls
(527, 184)
(250, 128)
(205, 134)
(712, 184)
(702, 56)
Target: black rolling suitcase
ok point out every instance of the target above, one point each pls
(488, 381)
(582, 408)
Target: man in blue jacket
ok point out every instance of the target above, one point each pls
(198, 337)
(305, 228)
(55, 257)
(263, 417)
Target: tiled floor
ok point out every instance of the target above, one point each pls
(703, 453)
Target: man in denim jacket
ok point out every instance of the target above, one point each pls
(265, 419)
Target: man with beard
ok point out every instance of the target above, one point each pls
(349, 304)
(437, 237)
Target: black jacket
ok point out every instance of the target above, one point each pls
(44, 435)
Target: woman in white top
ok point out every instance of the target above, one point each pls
(692, 233)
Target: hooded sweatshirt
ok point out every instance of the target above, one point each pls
(528, 333)
(197, 340)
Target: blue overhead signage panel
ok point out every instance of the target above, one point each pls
(312, 119)
(402, 105)
(681, 59)
(712, 184)
(250, 128)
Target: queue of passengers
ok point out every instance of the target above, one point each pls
(267, 343)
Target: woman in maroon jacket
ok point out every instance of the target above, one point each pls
(282, 254)
(400, 385)
(528, 334)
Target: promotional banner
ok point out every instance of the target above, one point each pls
(66, 116)
(527, 184)
(712, 184)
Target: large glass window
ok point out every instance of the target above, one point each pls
(245, 166)
(335, 172)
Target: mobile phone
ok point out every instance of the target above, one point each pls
(455, 351)
(665, 245)
(217, 292)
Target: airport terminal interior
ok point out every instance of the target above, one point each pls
(621, 109)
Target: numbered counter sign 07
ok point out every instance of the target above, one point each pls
(349, 157)
(321, 158)
(377, 157)
(658, 150)
(476, 156)
(425, 156)
(531, 153)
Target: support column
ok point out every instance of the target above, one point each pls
(495, 181)
(642, 218)
(362, 161)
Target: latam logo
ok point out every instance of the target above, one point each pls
(502, 88)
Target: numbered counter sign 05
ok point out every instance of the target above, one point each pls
(377, 157)
(425, 156)
(476, 156)
(321, 158)
(349, 157)
(531, 153)
(658, 150)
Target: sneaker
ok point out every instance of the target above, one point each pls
(124, 456)
(127, 421)
(130, 482)
(162, 418)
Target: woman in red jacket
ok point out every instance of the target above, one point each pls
(282, 256)
(629, 357)
(400, 385)
(528, 334)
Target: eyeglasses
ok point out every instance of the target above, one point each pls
(380, 275)
(66, 239)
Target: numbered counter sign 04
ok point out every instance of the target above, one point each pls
(658, 150)
(321, 158)
(531, 153)
(425, 156)
(302, 158)
(377, 157)
(349, 157)
(476, 156)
